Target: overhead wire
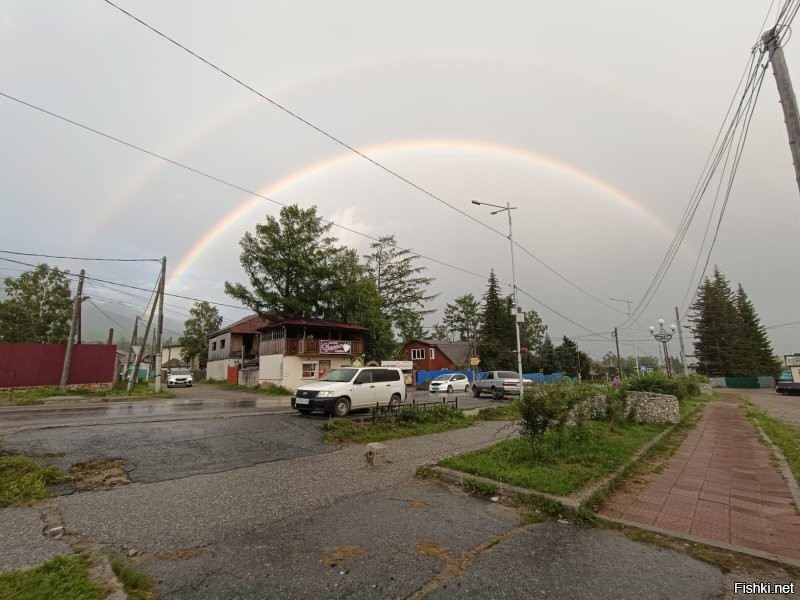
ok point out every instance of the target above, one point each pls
(336, 139)
(81, 257)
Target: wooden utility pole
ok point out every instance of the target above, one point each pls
(791, 115)
(75, 312)
(680, 339)
(135, 375)
(160, 326)
(619, 360)
(133, 343)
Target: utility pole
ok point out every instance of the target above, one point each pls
(680, 339)
(630, 330)
(160, 327)
(75, 312)
(133, 343)
(135, 375)
(791, 115)
(80, 321)
(619, 361)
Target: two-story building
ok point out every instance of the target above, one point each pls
(298, 351)
(234, 346)
(432, 355)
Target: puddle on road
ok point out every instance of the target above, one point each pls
(96, 474)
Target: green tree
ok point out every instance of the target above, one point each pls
(440, 332)
(462, 316)
(720, 345)
(758, 345)
(289, 262)
(353, 298)
(401, 284)
(568, 357)
(549, 357)
(204, 319)
(38, 306)
(497, 336)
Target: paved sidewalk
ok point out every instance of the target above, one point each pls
(720, 487)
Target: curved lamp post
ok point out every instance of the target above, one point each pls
(663, 336)
(515, 311)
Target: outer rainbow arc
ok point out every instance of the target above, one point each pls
(409, 145)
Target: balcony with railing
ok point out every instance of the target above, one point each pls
(312, 346)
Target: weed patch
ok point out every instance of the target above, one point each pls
(65, 578)
(508, 412)
(479, 488)
(409, 422)
(138, 584)
(24, 480)
(564, 463)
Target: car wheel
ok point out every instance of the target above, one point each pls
(341, 407)
(466, 388)
(449, 389)
(394, 401)
(476, 392)
(304, 411)
(497, 394)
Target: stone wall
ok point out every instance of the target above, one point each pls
(648, 407)
(706, 388)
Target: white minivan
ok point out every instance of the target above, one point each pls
(341, 390)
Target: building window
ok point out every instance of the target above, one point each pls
(432, 354)
(417, 353)
(222, 344)
(309, 370)
(213, 345)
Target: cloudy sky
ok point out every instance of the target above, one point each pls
(593, 119)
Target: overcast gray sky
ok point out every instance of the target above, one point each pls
(594, 119)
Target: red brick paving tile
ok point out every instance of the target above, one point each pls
(612, 511)
(674, 523)
(717, 498)
(653, 497)
(684, 493)
(710, 515)
(717, 535)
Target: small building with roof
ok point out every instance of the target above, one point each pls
(432, 355)
(294, 352)
(234, 346)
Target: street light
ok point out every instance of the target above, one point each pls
(514, 311)
(663, 336)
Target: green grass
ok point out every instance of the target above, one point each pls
(273, 390)
(783, 435)
(507, 412)
(24, 480)
(559, 469)
(412, 422)
(34, 396)
(65, 578)
(137, 584)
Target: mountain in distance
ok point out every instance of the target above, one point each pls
(95, 324)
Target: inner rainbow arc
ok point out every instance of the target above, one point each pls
(455, 144)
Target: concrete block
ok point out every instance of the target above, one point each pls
(376, 453)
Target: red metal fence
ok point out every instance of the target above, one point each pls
(29, 365)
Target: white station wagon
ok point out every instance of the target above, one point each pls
(347, 388)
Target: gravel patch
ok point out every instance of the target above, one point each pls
(778, 406)
(22, 543)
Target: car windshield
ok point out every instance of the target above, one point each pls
(180, 372)
(444, 377)
(339, 375)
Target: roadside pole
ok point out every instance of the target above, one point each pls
(619, 361)
(160, 327)
(684, 366)
(70, 340)
(135, 374)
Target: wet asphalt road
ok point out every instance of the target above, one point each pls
(230, 502)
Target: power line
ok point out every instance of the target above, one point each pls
(349, 147)
(81, 257)
(256, 194)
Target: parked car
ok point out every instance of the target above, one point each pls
(347, 388)
(498, 384)
(179, 377)
(447, 382)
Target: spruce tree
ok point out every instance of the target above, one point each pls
(493, 346)
(548, 357)
(763, 357)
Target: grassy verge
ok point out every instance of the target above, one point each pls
(506, 412)
(411, 421)
(561, 468)
(65, 578)
(273, 390)
(24, 480)
(35, 396)
(138, 585)
(783, 435)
